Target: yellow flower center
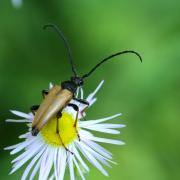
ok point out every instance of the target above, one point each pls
(67, 131)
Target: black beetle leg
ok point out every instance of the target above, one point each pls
(83, 110)
(34, 108)
(76, 108)
(59, 114)
(81, 101)
(45, 92)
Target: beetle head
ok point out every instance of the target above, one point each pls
(77, 80)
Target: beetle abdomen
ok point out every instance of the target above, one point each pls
(54, 102)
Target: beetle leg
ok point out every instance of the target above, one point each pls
(34, 131)
(34, 108)
(76, 108)
(59, 114)
(45, 92)
(83, 110)
(83, 101)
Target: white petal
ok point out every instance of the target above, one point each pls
(52, 177)
(78, 168)
(62, 164)
(24, 160)
(13, 146)
(18, 121)
(43, 163)
(98, 148)
(77, 155)
(59, 161)
(85, 134)
(21, 114)
(35, 145)
(107, 125)
(98, 156)
(95, 154)
(55, 163)
(92, 101)
(22, 146)
(92, 122)
(82, 93)
(71, 168)
(89, 98)
(77, 92)
(91, 159)
(109, 141)
(31, 116)
(109, 131)
(49, 163)
(35, 169)
(25, 135)
(31, 164)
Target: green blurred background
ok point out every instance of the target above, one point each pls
(147, 94)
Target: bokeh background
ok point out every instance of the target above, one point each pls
(147, 94)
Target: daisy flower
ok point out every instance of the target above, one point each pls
(45, 154)
(17, 3)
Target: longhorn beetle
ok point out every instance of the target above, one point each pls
(59, 96)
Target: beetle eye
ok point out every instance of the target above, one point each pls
(79, 82)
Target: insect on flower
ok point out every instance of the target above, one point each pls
(56, 129)
(59, 96)
(45, 155)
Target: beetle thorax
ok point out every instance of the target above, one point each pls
(69, 85)
(72, 84)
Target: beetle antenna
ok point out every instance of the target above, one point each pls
(109, 57)
(61, 35)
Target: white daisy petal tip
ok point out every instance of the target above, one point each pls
(105, 173)
(122, 143)
(113, 162)
(24, 135)
(101, 83)
(12, 111)
(46, 154)
(11, 172)
(8, 120)
(122, 125)
(119, 114)
(91, 99)
(12, 152)
(20, 114)
(6, 148)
